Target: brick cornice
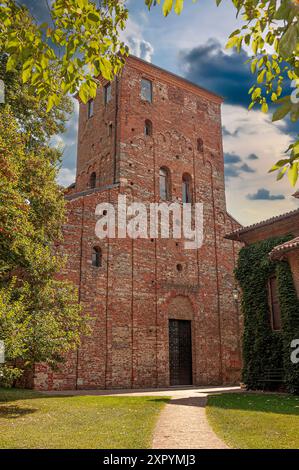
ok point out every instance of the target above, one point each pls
(154, 72)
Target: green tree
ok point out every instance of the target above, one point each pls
(270, 31)
(80, 44)
(40, 319)
(31, 112)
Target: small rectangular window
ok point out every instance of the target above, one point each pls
(164, 184)
(96, 259)
(107, 93)
(146, 90)
(186, 191)
(90, 108)
(274, 304)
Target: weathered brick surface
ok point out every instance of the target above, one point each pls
(138, 288)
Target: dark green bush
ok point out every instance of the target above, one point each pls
(289, 305)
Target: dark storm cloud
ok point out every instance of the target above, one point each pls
(252, 156)
(231, 158)
(264, 195)
(227, 75)
(233, 166)
(227, 133)
(222, 73)
(247, 169)
(231, 171)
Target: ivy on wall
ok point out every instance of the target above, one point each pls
(263, 348)
(289, 306)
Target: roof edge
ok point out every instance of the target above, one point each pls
(217, 98)
(236, 235)
(280, 251)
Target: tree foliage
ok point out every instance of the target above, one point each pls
(40, 318)
(68, 55)
(289, 305)
(31, 112)
(270, 32)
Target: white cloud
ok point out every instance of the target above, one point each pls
(67, 142)
(133, 37)
(66, 177)
(255, 133)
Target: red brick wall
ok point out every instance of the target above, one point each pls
(132, 296)
(96, 141)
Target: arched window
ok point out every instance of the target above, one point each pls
(92, 180)
(200, 145)
(148, 128)
(186, 188)
(164, 176)
(96, 259)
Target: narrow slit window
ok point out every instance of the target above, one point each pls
(107, 93)
(96, 257)
(164, 184)
(90, 108)
(92, 180)
(148, 128)
(187, 188)
(200, 145)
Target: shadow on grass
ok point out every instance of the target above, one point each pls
(257, 402)
(156, 400)
(13, 412)
(16, 394)
(190, 401)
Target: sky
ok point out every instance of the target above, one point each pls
(193, 45)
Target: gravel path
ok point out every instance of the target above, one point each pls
(183, 425)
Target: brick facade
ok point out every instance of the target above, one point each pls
(138, 288)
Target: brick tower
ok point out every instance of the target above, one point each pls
(160, 314)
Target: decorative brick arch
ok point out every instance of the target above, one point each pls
(180, 308)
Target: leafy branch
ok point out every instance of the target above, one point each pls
(270, 31)
(87, 36)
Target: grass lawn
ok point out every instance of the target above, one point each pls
(255, 420)
(31, 420)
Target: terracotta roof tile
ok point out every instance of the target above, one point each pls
(234, 235)
(284, 248)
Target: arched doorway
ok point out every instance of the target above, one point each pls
(180, 341)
